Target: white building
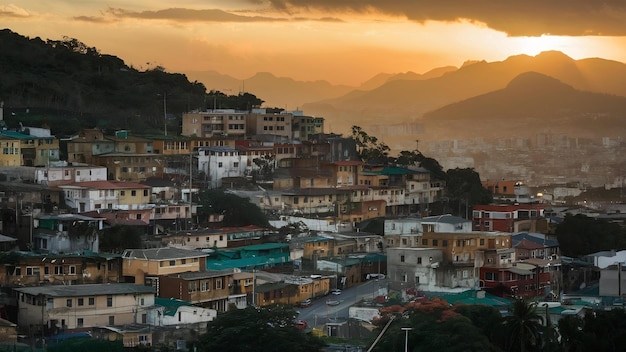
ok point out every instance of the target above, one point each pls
(54, 176)
(94, 195)
(220, 162)
(171, 312)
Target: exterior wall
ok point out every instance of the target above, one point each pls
(260, 122)
(64, 270)
(502, 217)
(196, 241)
(140, 268)
(320, 248)
(183, 315)
(66, 175)
(196, 291)
(461, 247)
(131, 167)
(412, 268)
(218, 163)
(125, 309)
(10, 152)
(208, 123)
(613, 281)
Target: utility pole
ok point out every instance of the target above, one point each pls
(165, 112)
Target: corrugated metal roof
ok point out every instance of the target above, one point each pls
(86, 290)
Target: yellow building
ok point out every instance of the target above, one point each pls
(10, 152)
(144, 266)
(34, 150)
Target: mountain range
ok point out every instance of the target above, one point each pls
(561, 92)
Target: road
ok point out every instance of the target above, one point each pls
(318, 313)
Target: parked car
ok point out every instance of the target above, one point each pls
(335, 291)
(331, 302)
(307, 302)
(300, 324)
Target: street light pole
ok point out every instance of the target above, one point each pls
(406, 338)
(165, 112)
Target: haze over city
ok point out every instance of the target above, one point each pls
(342, 42)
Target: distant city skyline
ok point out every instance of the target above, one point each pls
(340, 41)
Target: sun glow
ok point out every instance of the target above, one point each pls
(536, 45)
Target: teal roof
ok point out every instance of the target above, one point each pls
(264, 246)
(470, 297)
(171, 305)
(243, 262)
(18, 135)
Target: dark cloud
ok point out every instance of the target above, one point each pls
(514, 17)
(188, 15)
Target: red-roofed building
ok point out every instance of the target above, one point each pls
(508, 218)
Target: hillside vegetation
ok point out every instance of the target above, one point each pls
(66, 85)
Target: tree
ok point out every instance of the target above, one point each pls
(237, 211)
(464, 188)
(369, 148)
(579, 235)
(118, 238)
(436, 326)
(524, 326)
(259, 329)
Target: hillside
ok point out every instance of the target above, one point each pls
(531, 102)
(66, 85)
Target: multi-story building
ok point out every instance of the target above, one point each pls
(220, 162)
(509, 218)
(131, 167)
(269, 122)
(305, 126)
(61, 269)
(66, 233)
(196, 239)
(11, 155)
(36, 146)
(208, 289)
(214, 122)
(72, 307)
(56, 176)
(145, 266)
(94, 195)
(413, 268)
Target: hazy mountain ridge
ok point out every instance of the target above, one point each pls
(530, 103)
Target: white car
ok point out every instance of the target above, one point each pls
(336, 291)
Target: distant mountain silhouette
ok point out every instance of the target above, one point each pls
(530, 103)
(405, 101)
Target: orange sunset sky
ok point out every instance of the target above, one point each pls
(341, 41)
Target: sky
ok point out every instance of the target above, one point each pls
(340, 41)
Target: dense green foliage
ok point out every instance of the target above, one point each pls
(237, 211)
(259, 329)
(580, 235)
(66, 85)
(87, 345)
(117, 238)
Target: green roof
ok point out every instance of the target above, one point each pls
(470, 297)
(171, 305)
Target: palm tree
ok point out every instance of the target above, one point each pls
(524, 325)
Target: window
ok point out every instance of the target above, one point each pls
(133, 193)
(419, 260)
(122, 193)
(144, 320)
(32, 270)
(68, 302)
(72, 270)
(145, 192)
(424, 242)
(192, 287)
(92, 301)
(79, 322)
(218, 284)
(173, 262)
(401, 259)
(444, 243)
(435, 243)
(204, 285)
(18, 271)
(482, 241)
(109, 301)
(111, 320)
(80, 302)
